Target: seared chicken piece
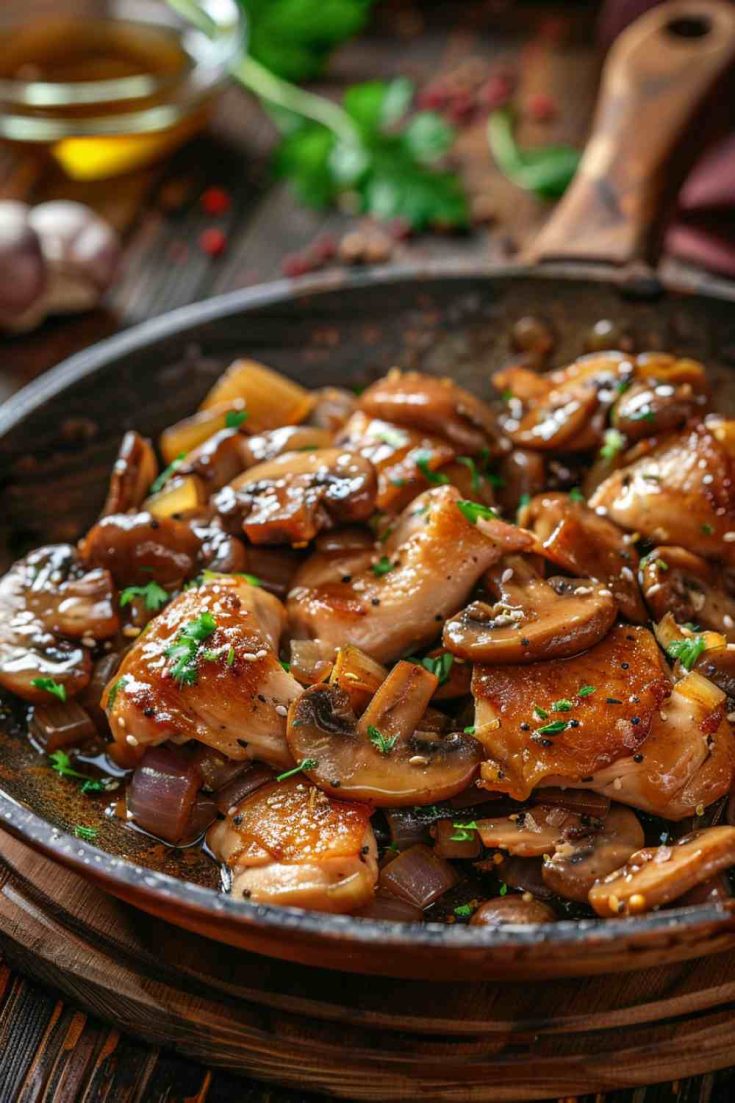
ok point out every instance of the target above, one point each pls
(137, 549)
(435, 405)
(289, 843)
(207, 669)
(683, 492)
(47, 600)
(289, 499)
(687, 760)
(402, 606)
(556, 723)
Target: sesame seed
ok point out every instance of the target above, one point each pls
(131, 740)
(418, 760)
(729, 537)
(507, 574)
(637, 901)
(281, 710)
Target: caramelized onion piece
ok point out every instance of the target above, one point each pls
(135, 469)
(658, 875)
(61, 724)
(270, 398)
(382, 758)
(192, 432)
(419, 876)
(162, 792)
(532, 618)
(358, 675)
(385, 905)
(518, 910)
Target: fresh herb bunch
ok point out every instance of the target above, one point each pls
(546, 171)
(371, 147)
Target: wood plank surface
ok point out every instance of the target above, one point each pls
(50, 1050)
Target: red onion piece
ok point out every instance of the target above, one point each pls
(216, 770)
(203, 813)
(386, 906)
(419, 876)
(408, 826)
(61, 724)
(162, 792)
(246, 782)
(575, 800)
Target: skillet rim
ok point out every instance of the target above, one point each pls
(90, 861)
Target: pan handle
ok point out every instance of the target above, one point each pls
(656, 76)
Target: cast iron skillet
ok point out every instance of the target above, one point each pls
(58, 439)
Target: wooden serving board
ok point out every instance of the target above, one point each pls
(360, 1038)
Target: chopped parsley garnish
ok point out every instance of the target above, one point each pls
(586, 691)
(383, 566)
(539, 713)
(687, 651)
(305, 764)
(553, 728)
(394, 437)
(154, 596)
(114, 690)
(252, 579)
(160, 482)
(643, 415)
(707, 529)
(475, 476)
(286, 666)
(523, 501)
(50, 685)
(230, 660)
(464, 911)
(384, 743)
(614, 442)
(469, 730)
(562, 705)
(61, 763)
(185, 648)
(506, 395)
(503, 890)
(576, 495)
(235, 418)
(88, 834)
(440, 666)
(435, 478)
(464, 832)
(473, 511)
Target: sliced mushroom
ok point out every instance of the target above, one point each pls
(719, 667)
(522, 474)
(651, 408)
(536, 831)
(290, 499)
(399, 608)
(216, 462)
(47, 601)
(565, 409)
(532, 618)
(266, 446)
(688, 587)
(332, 408)
(685, 763)
(513, 909)
(358, 675)
(224, 687)
(382, 758)
(582, 859)
(682, 492)
(289, 844)
(136, 549)
(557, 723)
(135, 469)
(656, 876)
(436, 405)
(576, 539)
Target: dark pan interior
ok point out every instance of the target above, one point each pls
(59, 437)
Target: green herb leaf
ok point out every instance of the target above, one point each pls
(185, 648)
(562, 705)
(230, 660)
(475, 476)
(305, 764)
(546, 170)
(154, 596)
(294, 38)
(50, 685)
(687, 651)
(385, 744)
(469, 730)
(252, 579)
(383, 566)
(114, 690)
(435, 478)
(576, 495)
(503, 890)
(394, 437)
(235, 418)
(464, 911)
(613, 442)
(554, 728)
(642, 415)
(89, 834)
(473, 511)
(464, 832)
(440, 665)
(586, 691)
(61, 764)
(160, 482)
(539, 713)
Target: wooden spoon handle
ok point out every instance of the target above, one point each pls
(656, 75)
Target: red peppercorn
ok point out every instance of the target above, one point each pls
(541, 107)
(323, 249)
(496, 91)
(434, 97)
(295, 264)
(215, 201)
(461, 107)
(212, 242)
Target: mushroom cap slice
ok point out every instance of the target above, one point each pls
(514, 909)
(135, 469)
(557, 723)
(586, 545)
(289, 499)
(535, 831)
(655, 876)
(579, 861)
(654, 406)
(532, 619)
(136, 549)
(434, 404)
(689, 587)
(384, 758)
(287, 843)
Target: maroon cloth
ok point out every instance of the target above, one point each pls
(703, 229)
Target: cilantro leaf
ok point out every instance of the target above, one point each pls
(294, 38)
(185, 648)
(305, 764)
(687, 651)
(50, 685)
(154, 596)
(440, 665)
(235, 418)
(160, 482)
(435, 478)
(384, 743)
(546, 171)
(383, 566)
(474, 511)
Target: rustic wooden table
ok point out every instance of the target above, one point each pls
(48, 1049)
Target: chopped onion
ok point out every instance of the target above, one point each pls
(455, 842)
(419, 876)
(215, 768)
(307, 663)
(179, 496)
(203, 812)
(408, 826)
(163, 791)
(270, 398)
(246, 782)
(61, 724)
(385, 905)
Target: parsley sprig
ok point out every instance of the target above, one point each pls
(687, 651)
(50, 685)
(439, 665)
(474, 511)
(154, 596)
(305, 764)
(384, 743)
(185, 648)
(62, 765)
